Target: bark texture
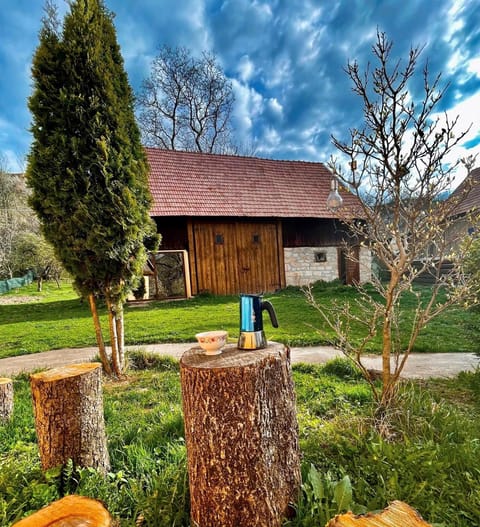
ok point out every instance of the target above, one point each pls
(242, 436)
(398, 514)
(71, 511)
(69, 421)
(6, 399)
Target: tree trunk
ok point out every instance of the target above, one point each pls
(117, 366)
(6, 399)
(71, 511)
(398, 514)
(69, 420)
(120, 332)
(155, 275)
(99, 335)
(241, 435)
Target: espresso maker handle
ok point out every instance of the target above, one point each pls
(273, 316)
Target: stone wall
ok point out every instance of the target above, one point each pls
(305, 265)
(365, 264)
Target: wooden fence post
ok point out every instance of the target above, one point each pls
(6, 399)
(242, 436)
(69, 420)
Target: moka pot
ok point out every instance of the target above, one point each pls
(252, 336)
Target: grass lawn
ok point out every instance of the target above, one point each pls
(431, 459)
(56, 318)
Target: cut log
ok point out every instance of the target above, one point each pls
(241, 435)
(6, 399)
(397, 514)
(71, 511)
(69, 421)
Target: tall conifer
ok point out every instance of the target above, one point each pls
(87, 167)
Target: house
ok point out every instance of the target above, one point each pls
(466, 200)
(250, 225)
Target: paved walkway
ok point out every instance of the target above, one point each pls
(419, 365)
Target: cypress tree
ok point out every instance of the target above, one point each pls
(87, 167)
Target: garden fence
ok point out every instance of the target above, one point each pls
(15, 283)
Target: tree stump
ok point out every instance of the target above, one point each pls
(69, 419)
(6, 399)
(241, 434)
(71, 511)
(397, 514)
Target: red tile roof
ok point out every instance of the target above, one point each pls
(468, 193)
(197, 184)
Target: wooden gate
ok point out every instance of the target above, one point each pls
(237, 257)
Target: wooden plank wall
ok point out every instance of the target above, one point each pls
(234, 257)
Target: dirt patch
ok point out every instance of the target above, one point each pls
(8, 300)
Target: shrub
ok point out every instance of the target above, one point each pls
(143, 360)
(342, 368)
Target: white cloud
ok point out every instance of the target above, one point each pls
(272, 137)
(280, 73)
(245, 68)
(468, 113)
(473, 66)
(248, 106)
(275, 106)
(263, 9)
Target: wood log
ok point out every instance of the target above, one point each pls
(69, 419)
(241, 435)
(71, 511)
(6, 399)
(397, 514)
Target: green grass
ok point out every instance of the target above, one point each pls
(57, 318)
(430, 459)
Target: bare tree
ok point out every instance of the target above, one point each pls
(186, 103)
(398, 169)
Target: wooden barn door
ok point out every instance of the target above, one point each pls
(258, 257)
(349, 265)
(216, 265)
(233, 258)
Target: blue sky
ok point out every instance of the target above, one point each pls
(285, 59)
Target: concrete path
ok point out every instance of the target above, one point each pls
(419, 365)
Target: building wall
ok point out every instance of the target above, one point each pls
(456, 231)
(302, 266)
(365, 264)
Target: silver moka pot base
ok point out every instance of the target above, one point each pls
(252, 340)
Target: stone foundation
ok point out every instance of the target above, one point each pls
(305, 265)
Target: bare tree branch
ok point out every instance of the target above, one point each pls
(399, 173)
(186, 103)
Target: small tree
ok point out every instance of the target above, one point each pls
(398, 170)
(87, 168)
(186, 103)
(32, 252)
(16, 218)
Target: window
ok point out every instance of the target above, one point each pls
(218, 239)
(321, 256)
(256, 238)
